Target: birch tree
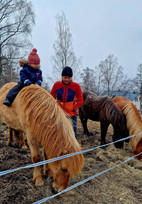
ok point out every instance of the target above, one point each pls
(64, 54)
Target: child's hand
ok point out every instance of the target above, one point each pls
(38, 83)
(28, 83)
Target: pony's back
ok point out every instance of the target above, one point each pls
(122, 102)
(102, 108)
(92, 105)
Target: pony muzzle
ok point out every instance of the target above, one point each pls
(57, 189)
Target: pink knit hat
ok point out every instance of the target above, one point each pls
(33, 57)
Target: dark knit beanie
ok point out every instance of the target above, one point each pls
(67, 71)
(33, 57)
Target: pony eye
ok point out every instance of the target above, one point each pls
(64, 170)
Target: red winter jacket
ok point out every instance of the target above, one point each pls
(69, 96)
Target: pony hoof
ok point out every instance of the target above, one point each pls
(9, 144)
(24, 147)
(88, 134)
(45, 172)
(103, 143)
(53, 190)
(39, 183)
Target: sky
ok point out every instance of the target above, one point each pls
(98, 27)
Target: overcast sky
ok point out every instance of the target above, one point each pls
(98, 28)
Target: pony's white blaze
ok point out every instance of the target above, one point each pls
(35, 112)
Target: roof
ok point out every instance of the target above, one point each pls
(129, 95)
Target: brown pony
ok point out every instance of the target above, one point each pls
(134, 123)
(104, 110)
(35, 112)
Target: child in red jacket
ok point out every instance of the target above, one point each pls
(68, 95)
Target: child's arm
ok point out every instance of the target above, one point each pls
(39, 80)
(24, 77)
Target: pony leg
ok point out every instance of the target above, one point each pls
(46, 170)
(10, 135)
(34, 148)
(84, 122)
(22, 141)
(104, 127)
(19, 135)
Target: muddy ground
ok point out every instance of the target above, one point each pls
(122, 185)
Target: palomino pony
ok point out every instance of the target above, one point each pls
(35, 112)
(134, 123)
(104, 110)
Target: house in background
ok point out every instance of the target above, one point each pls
(132, 96)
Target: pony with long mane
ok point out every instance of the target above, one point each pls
(104, 110)
(134, 123)
(35, 112)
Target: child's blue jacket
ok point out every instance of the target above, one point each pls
(29, 75)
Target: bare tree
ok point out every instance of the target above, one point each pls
(9, 73)
(111, 75)
(16, 21)
(64, 53)
(137, 82)
(100, 87)
(88, 82)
